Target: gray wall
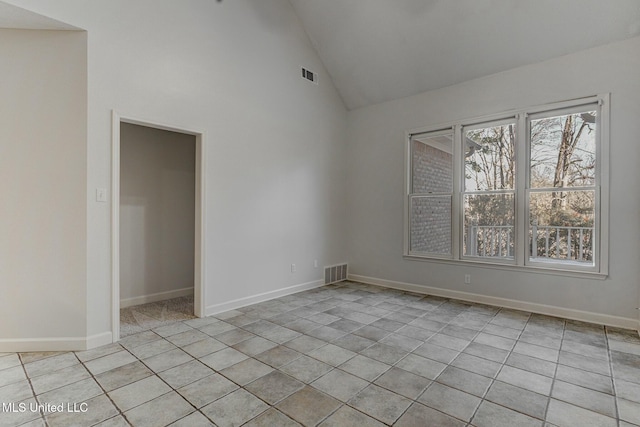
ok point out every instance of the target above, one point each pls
(275, 193)
(43, 184)
(376, 180)
(157, 212)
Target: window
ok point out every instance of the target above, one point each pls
(431, 193)
(523, 188)
(489, 190)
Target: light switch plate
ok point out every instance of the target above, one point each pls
(101, 194)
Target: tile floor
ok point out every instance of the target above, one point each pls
(342, 355)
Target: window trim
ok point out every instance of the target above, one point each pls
(521, 261)
(411, 195)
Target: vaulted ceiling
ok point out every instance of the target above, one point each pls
(378, 50)
(16, 17)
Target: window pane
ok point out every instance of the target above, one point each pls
(488, 225)
(431, 224)
(563, 151)
(489, 160)
(562, 226)
(432, 164)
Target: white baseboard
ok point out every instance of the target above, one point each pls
(98, 340)
(266, 296)
(160, 296)
(42, 344)
(567, 313)
(55, 344)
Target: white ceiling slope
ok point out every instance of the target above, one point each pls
(378, 50)
(16, 17)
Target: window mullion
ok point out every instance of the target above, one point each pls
(456, 199)
(522, 183)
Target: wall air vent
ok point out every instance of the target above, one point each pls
(310, 75)
(335, 273)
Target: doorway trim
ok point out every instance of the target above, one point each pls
(200, 206)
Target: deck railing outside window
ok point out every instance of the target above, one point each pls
(551, 242)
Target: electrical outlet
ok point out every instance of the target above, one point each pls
(315, 263)
(467, 279)
(293, 268)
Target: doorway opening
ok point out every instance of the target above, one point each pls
(157, 227)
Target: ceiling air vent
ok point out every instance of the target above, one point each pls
(309, 75)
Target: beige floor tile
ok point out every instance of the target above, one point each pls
(492, 415)
(254, 346)
(306, 369)
(234, 409)
(525, 379)
(419, 365)
(195, 419)
(274, 387)
(186, 373)
(419, 416)
(347, 416)
(60, 378)
(107, 363)
(204, 347)
(77, 392)
(166, 409)
(567, 415)
(152, 349)
(384, 353)
(21, 411)
(518, 399)
(586, 379)
(278, 356)
(95, 353)
(364, 367)
(9, 361)
(98, 409)
(339, 384)
(187, 337)
(332, 354)
(465, 381)
(163, 361)
(403, 383)
(451, 401)
(15, 392)
(117, 421)
(532, 364)
(244, 372)
(436, 352)
(343, 354)
(139, 392)
(585, 398)
(49, 365)
(379, 403)
(308, 406)
(207, 390)
(123, 375)
(629, 411)
(223, 358)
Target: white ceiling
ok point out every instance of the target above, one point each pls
(378, 50)
(16, 17)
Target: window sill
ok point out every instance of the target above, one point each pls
(511, 267)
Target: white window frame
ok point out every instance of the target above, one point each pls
(482, 125)
(411, 195)
(521, 260)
